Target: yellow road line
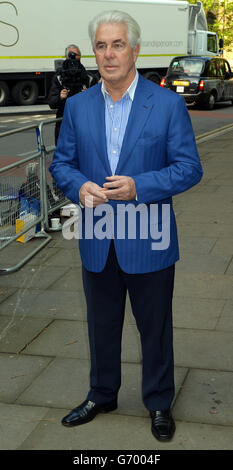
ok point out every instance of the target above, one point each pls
(215, 132)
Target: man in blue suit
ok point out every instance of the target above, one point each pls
(126, 146)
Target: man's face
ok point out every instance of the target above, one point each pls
(114, 55)
(76, 51)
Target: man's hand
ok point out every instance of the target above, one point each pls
(91, 194)
(64, 93)
(120, 188)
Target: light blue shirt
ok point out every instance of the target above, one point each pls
(116, 118)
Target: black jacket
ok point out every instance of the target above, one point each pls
(58, 84)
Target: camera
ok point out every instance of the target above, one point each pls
(72, 55)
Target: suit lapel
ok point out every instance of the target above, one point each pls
(140, 111)
(139, 114)
(96, 119)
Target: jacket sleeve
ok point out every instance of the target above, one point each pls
(183, 169)
(65, 165)
(54, 99)
(84, 77)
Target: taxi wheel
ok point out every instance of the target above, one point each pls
(211, 102)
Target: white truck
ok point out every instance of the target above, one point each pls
(34, 34)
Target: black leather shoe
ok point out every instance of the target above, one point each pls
(163, 425)
(86, 412)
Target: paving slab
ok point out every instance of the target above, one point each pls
(196, 202)
(206, 263)
(197, 245)
(206, 397)
(71, 280)
(230, 268)
(190, 228)
(64, 339)
(223, 246)
(6, 292)
(117, 432)
(226, 190)
(222, 179)
(203, 348)
(196, 313)
(206, 186)
(224, 162)
(210, 286)
(17, 373)
(16, 251)
(16, 333)
(59, 241)
(206, 215)
(17, 423)
(37, 277)
(54, 304)
(225, 322)
(70, 339)
(65, 257)
(65, 384)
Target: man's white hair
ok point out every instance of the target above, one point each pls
(71, 46)
(115, 16)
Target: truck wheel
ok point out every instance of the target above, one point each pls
(25, 92)
(153, 77)
(4, 93)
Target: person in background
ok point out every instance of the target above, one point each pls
(70, 79)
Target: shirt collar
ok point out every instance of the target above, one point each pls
(131, 90)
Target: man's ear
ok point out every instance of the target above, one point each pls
(136, 52)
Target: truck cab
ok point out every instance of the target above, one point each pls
(200, 40)
(202, 43)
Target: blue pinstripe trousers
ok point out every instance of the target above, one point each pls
(151, 301)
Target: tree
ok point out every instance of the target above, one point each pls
(219, 14)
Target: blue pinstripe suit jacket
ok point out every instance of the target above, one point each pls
(158, 151)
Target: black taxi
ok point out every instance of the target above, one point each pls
(201, 80)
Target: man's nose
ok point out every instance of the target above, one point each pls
(109, 52)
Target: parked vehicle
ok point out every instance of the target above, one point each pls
(33, 35)
(201, 80)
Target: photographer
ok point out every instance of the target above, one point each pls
(67, 81)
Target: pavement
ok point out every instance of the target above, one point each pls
(30, 109)
(44, 353)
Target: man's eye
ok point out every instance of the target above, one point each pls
(100, 47)
(118, 46)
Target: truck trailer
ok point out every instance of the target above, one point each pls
(34, 34)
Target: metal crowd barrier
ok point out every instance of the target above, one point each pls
(54, 198)
(28, 196)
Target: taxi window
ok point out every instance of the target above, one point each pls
(226, 67)
(187, 66)
(212, 71)
(220, 69)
